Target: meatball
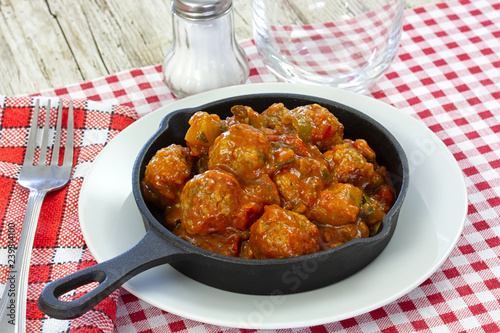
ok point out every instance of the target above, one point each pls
(209, 202)
(316, 125)
(243, 150)
(166, 174)
(338, 205)
(273, 114)
(300, 182)
(280, 233)
(348, 165)
(363, 147)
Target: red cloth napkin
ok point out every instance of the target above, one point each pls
(59, 248)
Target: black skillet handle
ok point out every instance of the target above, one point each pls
(152, 250)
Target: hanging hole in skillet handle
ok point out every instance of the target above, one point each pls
(50, 303)
(152, 250)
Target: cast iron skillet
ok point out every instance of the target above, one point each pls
(250, 276)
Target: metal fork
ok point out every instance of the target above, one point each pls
(39, 178)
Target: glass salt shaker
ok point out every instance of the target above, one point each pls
(204, 53)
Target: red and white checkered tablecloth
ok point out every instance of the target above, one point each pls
(447, 74)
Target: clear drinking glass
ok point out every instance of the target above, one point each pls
(341, 43)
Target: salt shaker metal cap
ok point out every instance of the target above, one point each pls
(200, 9)
(204, 53)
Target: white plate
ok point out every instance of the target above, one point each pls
(429, 226)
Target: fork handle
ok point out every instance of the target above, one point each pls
(14, 298)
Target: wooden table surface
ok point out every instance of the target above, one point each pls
(53, 43)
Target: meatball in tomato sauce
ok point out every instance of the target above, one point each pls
(166, 174)
(348, 165)
(209, 202)
(242, 150)
(280, 233)
(315, 125)
(338, 205)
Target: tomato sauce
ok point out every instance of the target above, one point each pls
(275, 184)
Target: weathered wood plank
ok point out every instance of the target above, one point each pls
(107, 36)
(34, 53)
(52, 43)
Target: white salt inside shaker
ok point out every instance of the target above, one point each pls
(204, 53)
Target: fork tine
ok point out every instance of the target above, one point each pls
(29, 158)
(70, 134)
(55, 152)
(45, 135)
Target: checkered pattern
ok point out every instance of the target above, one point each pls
(59, 248)
(447, 74)
(339, 46)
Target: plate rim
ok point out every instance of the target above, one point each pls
(318, 91)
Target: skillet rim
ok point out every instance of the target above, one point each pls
(385, 232)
